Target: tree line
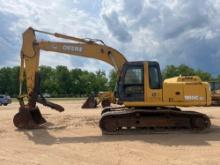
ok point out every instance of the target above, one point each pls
(64, 82)
(184, 70)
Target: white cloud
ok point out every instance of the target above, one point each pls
(53, 16)
(171, 31)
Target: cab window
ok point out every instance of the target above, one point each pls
(134, 76)
(134, 83)
(155, 77)
(131, 82)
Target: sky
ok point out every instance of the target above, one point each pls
(168, 31)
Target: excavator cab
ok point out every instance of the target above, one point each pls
(141, 85)
(133, 83)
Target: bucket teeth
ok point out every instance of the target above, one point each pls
(28, 118)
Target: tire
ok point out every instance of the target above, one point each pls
(5, 104)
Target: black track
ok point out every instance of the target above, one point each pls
(118, 119)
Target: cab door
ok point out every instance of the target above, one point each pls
(131, 82)
(154, 83)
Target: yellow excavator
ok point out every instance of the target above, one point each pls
(148, 101)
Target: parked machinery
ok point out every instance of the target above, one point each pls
(148, 101)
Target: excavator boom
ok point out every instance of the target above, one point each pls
(30, 55)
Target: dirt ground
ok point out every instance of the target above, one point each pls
(73, 137)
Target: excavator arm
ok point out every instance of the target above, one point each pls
(30, 56)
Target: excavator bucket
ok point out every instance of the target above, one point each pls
(28, 118)
(90, 103)
(31, 117)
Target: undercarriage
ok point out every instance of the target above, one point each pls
(119, 119)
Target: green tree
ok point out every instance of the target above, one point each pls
(205, 76)
(112, 80)
(172, 71)
(6, 81)
(48, 82)
(75, 81)
(63, 80)
(184, 70)
(86, 82)
(15, 81)
(100, 82)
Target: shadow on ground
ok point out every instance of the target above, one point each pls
(170, 138)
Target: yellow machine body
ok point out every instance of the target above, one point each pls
(176, 91)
